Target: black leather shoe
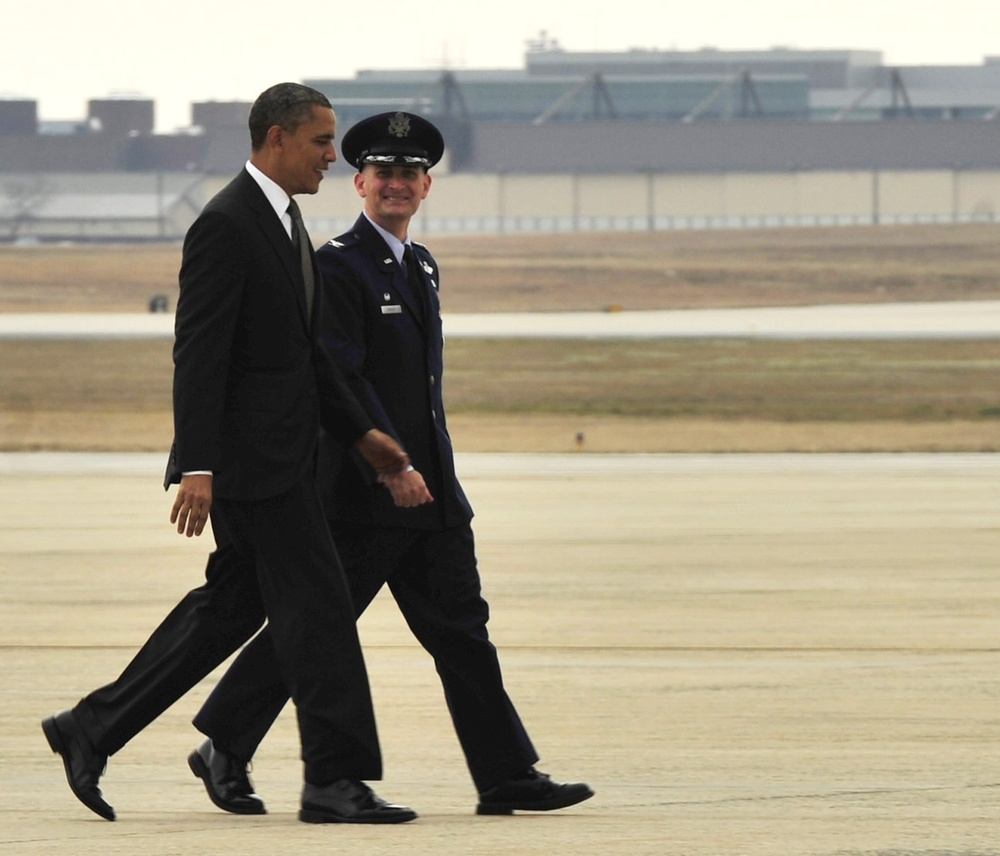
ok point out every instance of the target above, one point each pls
(349, 801)
(226, 780)
(531, 791)
(83, 764)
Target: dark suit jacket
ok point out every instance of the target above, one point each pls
(386, 336)
(251, 381)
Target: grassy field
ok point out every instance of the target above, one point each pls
(700, 395)
(642, 270)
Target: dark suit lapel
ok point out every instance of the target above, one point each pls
(274, 233)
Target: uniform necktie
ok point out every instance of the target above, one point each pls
(415, 280)
(300, 240)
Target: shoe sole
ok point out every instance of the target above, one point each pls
(508, 808)
(308, 815)
(59, 747)
(201, 771)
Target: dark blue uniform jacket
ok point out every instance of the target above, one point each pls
(388, 331)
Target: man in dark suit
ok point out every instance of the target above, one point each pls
(383, 325)
(252, 385)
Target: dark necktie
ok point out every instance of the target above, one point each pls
(300, 240)
(415, 280)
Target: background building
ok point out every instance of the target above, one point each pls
(574, 140)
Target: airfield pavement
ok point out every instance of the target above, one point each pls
(743, 654)
(960, 319)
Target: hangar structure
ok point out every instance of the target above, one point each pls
(639, 139)
(695, 111)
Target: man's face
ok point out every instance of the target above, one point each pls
(392, 194)
(306, 153)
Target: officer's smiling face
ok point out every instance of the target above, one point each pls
(392, 194)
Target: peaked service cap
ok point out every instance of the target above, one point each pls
(396, 139)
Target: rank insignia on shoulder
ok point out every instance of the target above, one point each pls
(333, 242)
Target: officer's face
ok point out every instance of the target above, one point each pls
(307, 152)
(392, 194)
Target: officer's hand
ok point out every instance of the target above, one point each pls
(383, 453)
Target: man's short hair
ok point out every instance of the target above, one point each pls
(287, 105)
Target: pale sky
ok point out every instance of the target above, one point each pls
(64, 52)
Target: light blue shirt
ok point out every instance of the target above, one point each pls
(397, 246)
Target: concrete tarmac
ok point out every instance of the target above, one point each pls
(742, 654)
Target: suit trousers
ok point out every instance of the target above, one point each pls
(208, 625)
(275, 558)
(433, 577)
(311, 629)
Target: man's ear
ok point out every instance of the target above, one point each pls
(359, 184)
(274, 136)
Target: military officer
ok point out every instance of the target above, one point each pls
(382, 322)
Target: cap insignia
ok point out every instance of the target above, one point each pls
(399, 125)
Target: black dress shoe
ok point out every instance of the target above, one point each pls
(531, 791)
(349, 801)
(83, 764)
(226, 780)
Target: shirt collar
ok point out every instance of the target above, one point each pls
(275, 195)
(397, 246)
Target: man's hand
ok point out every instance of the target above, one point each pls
(383, 453)
(191, 507)
(408, 488)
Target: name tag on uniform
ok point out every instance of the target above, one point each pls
(395, 309)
